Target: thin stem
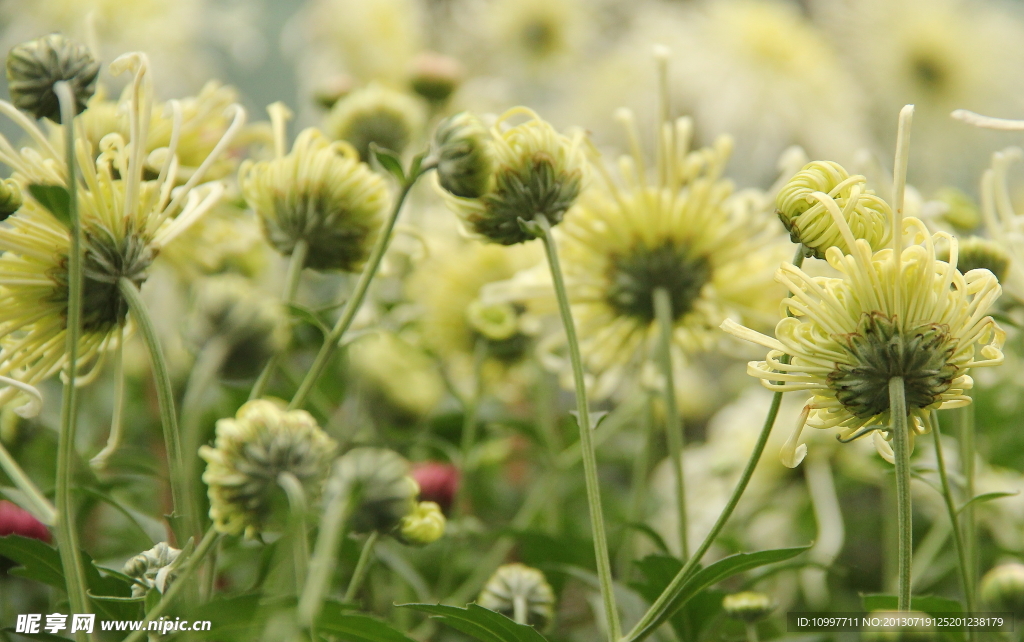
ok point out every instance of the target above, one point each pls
(519, 610)
(470, 415)
(604, 570)
(203, 376)
(209, 539)
(965, 416)
(354, 301)
(673, 424)
(645, 626)
(42, 509)
(67, 536)
(901, 452)
(99, 462)
(362, 567)
(947, 495)
(337, 506)
(291, 286)
(168, 418)
(300, 546)
(751, 632)
(638, 487)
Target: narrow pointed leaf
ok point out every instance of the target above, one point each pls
(480, 623)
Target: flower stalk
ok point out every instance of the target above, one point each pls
(958, 540)
(362, 567)
(901, 451)
(541, 227)
(294, 274)
(673, 424)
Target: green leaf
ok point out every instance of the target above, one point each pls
(37, 560)
(480, 623)
(651, 534)
(985, 497)
(720, 570)
(354, 627)
(42, 635)
(56, 199)
(113, 503)
(389, 161)
(689, 621)
(235, 619)
(309, 316)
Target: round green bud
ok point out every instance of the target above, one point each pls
(1002, 588)
(520, 592)
(336, 88)
(10, 198)
(34, 67)
(379, 484)
(435, 76)
(464, 162)
(748, 606)
(496, 322)
(425, 524)
(974, 253)
(961, 210)
(374, 114)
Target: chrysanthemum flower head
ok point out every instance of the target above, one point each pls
(748, 606)
(812, 203)
(536, 172)
(464, 164)
(10, 198)
(34, 67)
(126, 219)
(676, 226)
(888, 314)
(252, 450)
(521, 593)
(377, 481)
(1002, 222)
(376, 114)
(320, 194)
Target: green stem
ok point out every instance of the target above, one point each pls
(470, 415)
(901, 452)
(355, 301)
(947, 494)
(604, 570)
(638, 487)
(300, 546)
(67, 536)
(42, 509)
(646, 626)
(519, 610)
(168, 419)
(337, 506)
(179, 583)
(99, 462)
(362, 567)
(751, 632)
(967, 456)
(673, 424)
(291, 286)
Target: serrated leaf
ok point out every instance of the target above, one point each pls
(712, 574)
(482, 624)
(389, 161)
(37, 560)
(985, 497)
(54, 198)
(355, 627)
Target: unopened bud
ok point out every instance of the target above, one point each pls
(34, 67)
(435, 76)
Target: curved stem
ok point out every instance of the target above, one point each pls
(99, 462)
(947, 495)
(291, 286)
(647, 625)
(673, 424)
(42, 509)
(358, 294)
(67, 536)
(168, 418)
(179, 583)
(604, 570)
(300, 546)
(362, 567)
(901, 452)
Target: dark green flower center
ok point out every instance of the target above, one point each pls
(524, 192)
(671, 266)
(880, 350)
(106, 260)
(388, 129)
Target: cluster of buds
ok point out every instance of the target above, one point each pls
(152, 569)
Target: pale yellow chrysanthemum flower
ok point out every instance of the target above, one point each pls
(520, 592)
(252, 451)
(681, 227)
(918, 318)
(1002, 222)
(125, 220)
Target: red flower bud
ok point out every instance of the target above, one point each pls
(16, 521)
(438, 482)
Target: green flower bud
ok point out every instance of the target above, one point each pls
(496, 322)
(435, 77)
(336, 88)
(378, 115)
(35, 66)
(538, 172)
(251, 452)
(747, 606)
(425, 524)
(975, 253)
(10, 198)
(520, 592)
(1002, 588)
(462, 146)
(321, 194)
(961, 210)
(379, 481)
(252, 327)
(152, 569)
(812, 223)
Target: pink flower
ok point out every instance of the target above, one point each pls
(16, 521)
(439, 482)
